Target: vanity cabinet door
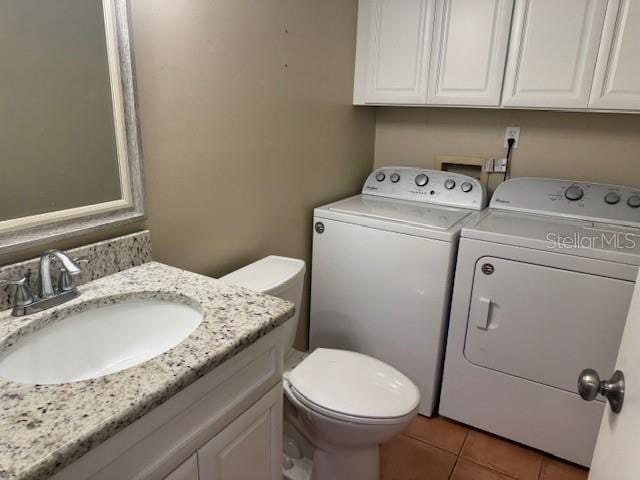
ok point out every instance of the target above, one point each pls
(469, 52)
(393, 51)
(616, 83)
(187, 471)
(250, 447)
(552, 54)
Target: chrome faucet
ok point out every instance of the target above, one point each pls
(46, 281)
(26, 303)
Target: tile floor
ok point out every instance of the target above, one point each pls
(439, 449)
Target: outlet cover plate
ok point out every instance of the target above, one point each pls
(512, 132)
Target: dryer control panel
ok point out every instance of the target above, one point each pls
(427, 186)
(595, 202)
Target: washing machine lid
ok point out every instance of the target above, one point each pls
(417, 214)
(354, 384)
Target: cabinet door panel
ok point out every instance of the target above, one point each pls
(552, 55)
(399, 42)
(469, 52)
(187, 471)
(616, 83)
(250, 448)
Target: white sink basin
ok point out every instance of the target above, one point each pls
(98, 342)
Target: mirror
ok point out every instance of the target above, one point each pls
(70, 158)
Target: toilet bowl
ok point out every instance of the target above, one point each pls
(344, 403)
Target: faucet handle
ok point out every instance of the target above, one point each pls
(65, 283)
(84, 259)
(24, 296)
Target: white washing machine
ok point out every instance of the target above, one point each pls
(543, 283)
(382, 269)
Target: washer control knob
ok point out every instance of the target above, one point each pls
(574, 193)
(449, 184)
(466, 187)
(380, 176)
(422, 180)
(612, 198)
(634, 201)
(395, 178)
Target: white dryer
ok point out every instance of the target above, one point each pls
(543, 283)
(382, 269)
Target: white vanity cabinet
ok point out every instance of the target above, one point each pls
(226, 425)
(552, 54)
(250, 448)
(616, 83)
(187, 471)
(469, 51)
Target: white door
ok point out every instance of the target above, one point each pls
(469, 52)
(616, 84)
(250, 448)
(398, 42)
(552, 53)
(616, 454)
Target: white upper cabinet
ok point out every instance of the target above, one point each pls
(616, 83)
(546, 54)
(394, 45)
(552, 55)
(469, 52)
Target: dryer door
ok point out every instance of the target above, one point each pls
(542, 323)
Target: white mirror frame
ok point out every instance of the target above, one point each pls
(28, 231)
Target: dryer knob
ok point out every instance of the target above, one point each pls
(466, 187)
(612, 198)
(634, 201)
(395, 178)
(449, 184)
(380, 176)
(422, 180)
(574, 193)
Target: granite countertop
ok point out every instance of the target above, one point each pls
(44, 428)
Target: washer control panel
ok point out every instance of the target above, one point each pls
(427, 186)
(587, 201)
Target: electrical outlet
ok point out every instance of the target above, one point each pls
(512, 132)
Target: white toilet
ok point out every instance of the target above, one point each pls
(344, 403)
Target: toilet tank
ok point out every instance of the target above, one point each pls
(281, 277)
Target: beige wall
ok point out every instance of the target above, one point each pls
(582, 146)
(247, 124)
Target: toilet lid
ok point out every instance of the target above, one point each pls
(354, 384)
